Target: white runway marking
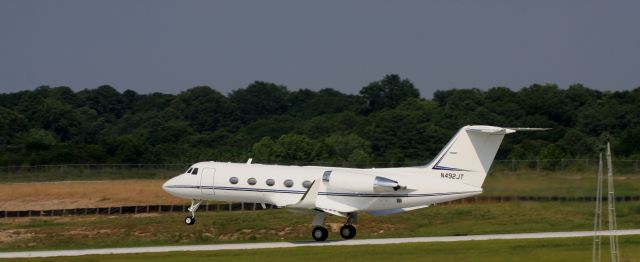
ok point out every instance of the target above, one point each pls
(132, 250)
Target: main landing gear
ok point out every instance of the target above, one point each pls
(348, 231)
(190, 220)
(320, 233)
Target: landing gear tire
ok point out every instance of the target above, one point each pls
(320, 233)
(189, 220)
(348, 231)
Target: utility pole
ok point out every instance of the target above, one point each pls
(597, 220)
(611, 206)
(611, 211)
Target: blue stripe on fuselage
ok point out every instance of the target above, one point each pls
(265, 190)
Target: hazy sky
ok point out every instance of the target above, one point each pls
(170, 46)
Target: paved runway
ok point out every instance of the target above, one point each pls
(131, 250)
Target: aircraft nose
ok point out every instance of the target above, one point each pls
(167, 186)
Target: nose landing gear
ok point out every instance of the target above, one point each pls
(190, 220)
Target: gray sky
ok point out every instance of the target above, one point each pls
(170, 46)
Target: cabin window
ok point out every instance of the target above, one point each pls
(270, 182)
(306, 184)
(252, 181)
(326, 176)
(233, 180)
(195, 171)
(288, 183)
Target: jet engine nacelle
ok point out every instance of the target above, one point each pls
(341, 181)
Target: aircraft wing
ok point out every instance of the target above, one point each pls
(310, 201)
(335, 208)
(394, 211)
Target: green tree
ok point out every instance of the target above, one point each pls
(259, 99)
(326, 125)
(265, 151)
(126, 149)
(288, 149)
(628, 142)
(307, 104)
(387, 93)
(407, 133)
(296, 149)
(386, 122)
(11, 123)
(552, 155)
(38, 139)
(105, 100)
(204, 108)
(343, 147)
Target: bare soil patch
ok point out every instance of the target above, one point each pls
(59, 195)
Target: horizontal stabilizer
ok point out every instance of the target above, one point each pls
(520, 129)
(490, 130)
(502, 130)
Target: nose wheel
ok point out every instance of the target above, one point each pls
(189, 220)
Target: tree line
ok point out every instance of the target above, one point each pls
(387, 122)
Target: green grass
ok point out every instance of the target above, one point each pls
(555, 184)
(567, 249)
(282, 225)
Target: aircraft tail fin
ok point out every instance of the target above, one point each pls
(471, 151)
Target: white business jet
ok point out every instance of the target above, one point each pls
(458, 171)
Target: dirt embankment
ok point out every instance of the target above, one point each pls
(58, 195)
